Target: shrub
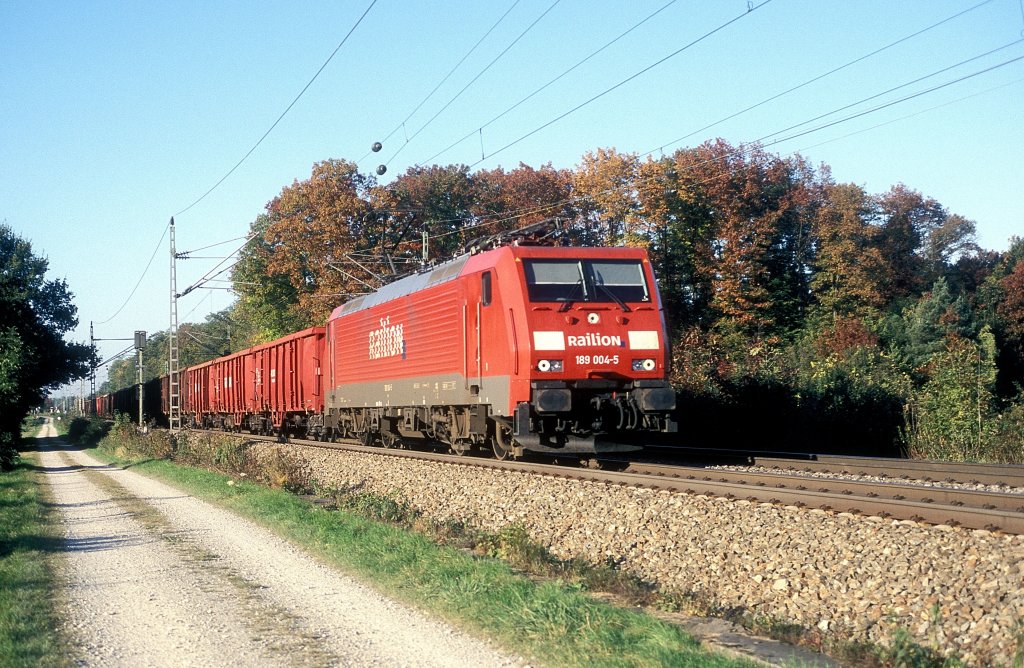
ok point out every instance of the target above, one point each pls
(272, 466)
(8, 451)
(284, 469)
(87, 431)
(1005, 441)
(949, 415)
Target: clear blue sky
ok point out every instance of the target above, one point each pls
(116, 115)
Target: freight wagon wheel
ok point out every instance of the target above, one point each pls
(501, 444)
(461, 446)
(389, 440)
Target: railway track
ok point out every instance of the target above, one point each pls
(904, 469)
(901, 469)
(903, 500)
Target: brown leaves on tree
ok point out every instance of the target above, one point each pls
(1011, 307)
(849, 266)
(317, 226)
(522, 197)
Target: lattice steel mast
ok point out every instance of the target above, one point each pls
(174, 411)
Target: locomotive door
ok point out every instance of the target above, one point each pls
(473, 335)
(489, 333)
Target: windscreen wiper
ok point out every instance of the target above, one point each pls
(571, 297)
(615, 298)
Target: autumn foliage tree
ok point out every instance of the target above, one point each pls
(801, 310)
(848, 265)
(522, 196)
(605, 181)
(317, 229)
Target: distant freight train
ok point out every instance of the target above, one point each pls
(519, 348)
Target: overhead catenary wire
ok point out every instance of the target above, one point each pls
(916, 113)
(773, 97)
(888, 104)
(749, 146)
(740, 150)
(283, 113)
(828, 73)
(631, 77)
(139, 282)
(447, 76)
(893, 102)
(551, 82)
(116, 356)
(183, 254)
(903, 85)
(474, 79)
(207, 276)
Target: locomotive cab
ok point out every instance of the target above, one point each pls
(589, 349)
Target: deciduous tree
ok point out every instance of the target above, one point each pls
(605, 180)
(35, 314)
(523, 196)
(317, 229)
(268, 302)
(848, 264)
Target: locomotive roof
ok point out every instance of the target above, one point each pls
(405, 286)
(451, 270)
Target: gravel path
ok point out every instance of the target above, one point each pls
(158, 578)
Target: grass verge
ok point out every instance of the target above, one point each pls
(554, 622)
(28, 635)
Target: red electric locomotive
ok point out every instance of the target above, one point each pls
(549, 349)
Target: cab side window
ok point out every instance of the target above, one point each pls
(485, 288)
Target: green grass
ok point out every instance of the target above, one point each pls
(28, 635)
(553, 622)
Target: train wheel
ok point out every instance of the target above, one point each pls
(461, 446)
(389, 440)
(501, 444)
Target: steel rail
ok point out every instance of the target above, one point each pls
(892, 490)
(986, 474)
(937, 513)
(1011, 475)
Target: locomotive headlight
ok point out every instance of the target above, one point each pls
(593, 318)
(644, 365)
(549, 366)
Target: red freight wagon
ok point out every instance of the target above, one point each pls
(103, 406)
(197, 396)
(275, 386)
(284, 390)
(535, 348)
(228, 378)
(165, 396)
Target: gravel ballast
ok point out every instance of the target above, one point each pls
(952, 589)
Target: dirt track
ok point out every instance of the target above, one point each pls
(156, 577)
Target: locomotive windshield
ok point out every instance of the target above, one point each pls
(616, 281)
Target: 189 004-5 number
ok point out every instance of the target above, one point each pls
(597, 359)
